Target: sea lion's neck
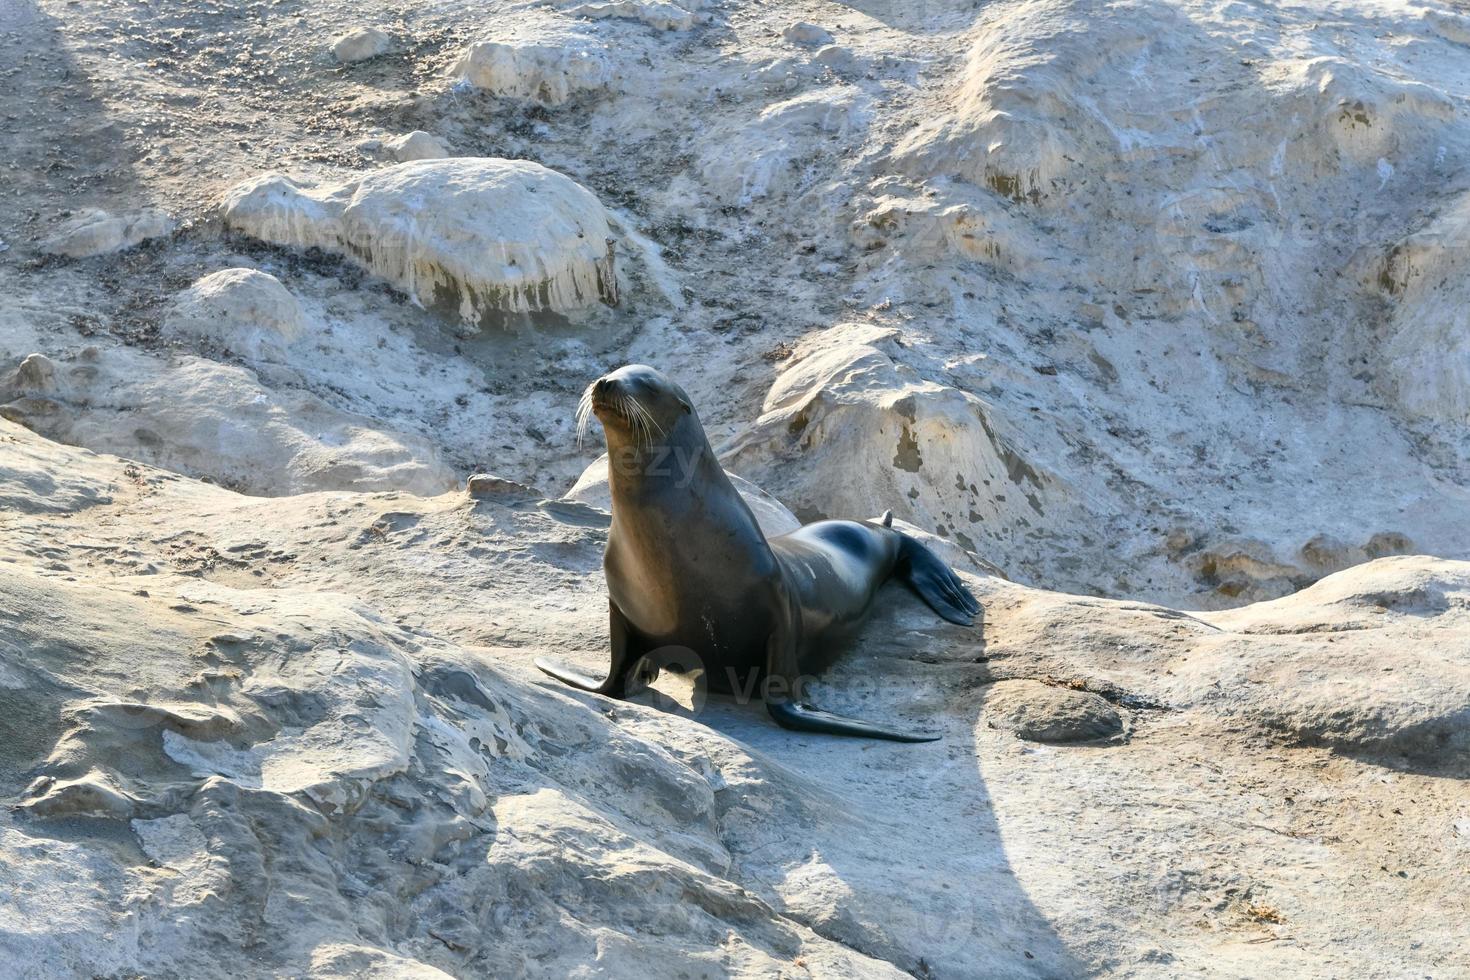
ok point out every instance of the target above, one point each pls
(667, 466)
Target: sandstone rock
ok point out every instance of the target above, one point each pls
(1047, 713)
(360, 44)
(548, 72)
(353, 736)
(216, 421)
(1320, 675)
(802, 32)
(490, 485)
(417, 145)
(1427, 358)
(935, 456)
(96, 232)
(242, 310)
(468, 236)
(1362, 661)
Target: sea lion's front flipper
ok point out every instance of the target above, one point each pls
(783, 673)
(805, 718)
(612, 687)
(616, 685)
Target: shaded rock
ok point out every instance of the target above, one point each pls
(91, 795)
(469, 236)
(1046, 713)
(361, 44)
(1248, 569)
(96, 232)
(490, 485)
(242, 310)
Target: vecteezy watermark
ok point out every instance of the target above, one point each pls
(689, 695)
(657, 461)
(757, 685)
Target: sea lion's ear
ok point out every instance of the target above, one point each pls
(687, 407)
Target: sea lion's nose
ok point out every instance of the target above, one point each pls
(601, 387)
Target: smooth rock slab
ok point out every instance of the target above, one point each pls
(1044, 713)
(96, 232)
(469, 236)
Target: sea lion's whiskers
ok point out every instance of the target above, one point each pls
(640, 419)
(649, 422)
(625, 409)
(584, 414)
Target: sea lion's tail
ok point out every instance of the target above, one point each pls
(934, 581)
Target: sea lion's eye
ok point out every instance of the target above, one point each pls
(687, 408)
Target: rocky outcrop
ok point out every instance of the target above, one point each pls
(244, 311)
(469, 236)
(1422, 278)
(937, 457)
(592, 488)
(548, 72)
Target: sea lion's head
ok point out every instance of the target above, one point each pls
(639, 409)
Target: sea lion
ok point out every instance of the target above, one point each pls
(689, 570)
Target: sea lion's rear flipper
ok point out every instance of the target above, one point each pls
(783, 675)
(616, 685)
(805, 718)
(935, 582)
